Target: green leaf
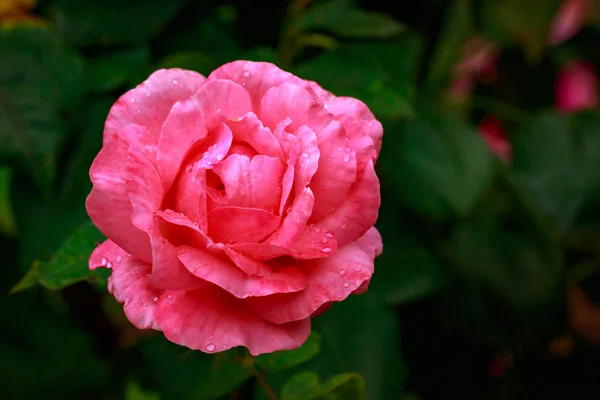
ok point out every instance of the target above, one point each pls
(281, 360)
(115, 70)
(195, 61)
(306, 386)
(7, 220)
(113, 22)
(135, 392)
(180, 373)
(28, 281)
(457, 28)
(382, 75)
(526, 23)
(339, 18)
(439, 166)
(34, 86)
(550, 161)
(70, 263)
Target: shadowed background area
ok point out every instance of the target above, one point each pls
(489, 283)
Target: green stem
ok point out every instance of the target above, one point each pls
(287, 43)
(262, 381)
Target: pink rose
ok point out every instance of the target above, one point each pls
(236, 206)
(493, 134)
(571, 17)
(577, 87)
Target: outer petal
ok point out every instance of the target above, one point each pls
(128, 283)
(255, 77)
(183, 126)
(239, 224)
(309, 160)
(253, 183)
(212, 320)
(329, 279)
(359, 211)
(108, 204)
(249, 129)
(223, 99)
(336, 173)
(235, 281)
(371, 243)
(150, 102)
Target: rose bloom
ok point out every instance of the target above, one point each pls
(236, 206)
(576, 87)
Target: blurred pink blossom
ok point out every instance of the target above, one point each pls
(571, 17)
(477, 63)
(576, 87)
(491, 130)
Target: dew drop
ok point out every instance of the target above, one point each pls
(344, 226)
(169, 297)
(317, 229)
(347, 158)
(342, 272)
(174, 82)
(326, 106)
(109, 264)
(305, 155)
(155, 299)
(148, 94)
(245, 173)
(329, 234)
(132, 100)
(119, 259)
(103, 261)
(220, 156)
(326, 249)
(346, 285)
(210, 347)
(324, 241)
(246, 74)
(224, 347)
(357, 269)
(339, 149)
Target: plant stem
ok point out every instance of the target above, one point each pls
(264, 384)
(499, 109)
(287, 42)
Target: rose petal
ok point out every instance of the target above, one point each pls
(286, 101)
(286, 187)
(189, 196)
(255, 77)
(371, 243)
(128, 283)
(234, 280)
(358, 213)
(252, 183)
(108, 204)
(259, 251)
(309, 159)
(329, 279)
(222, 99)
(215, 148)
(212, 320)
(184, 125)
(337, 160)
(239, 224)
(247, 264)
(249, 129)
(150, 102)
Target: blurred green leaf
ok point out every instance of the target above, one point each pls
(382, 75)
(112, 22)
(28, 281)
(115, 70)
(549, 161)
(180, 373)
(266, 54)
(456, 30)
(526, 23)
(70, 263)
(7, 220)
(306, 386)
(194, 61)
(38, 76)
(340, 18)
(135, 392)
(281, 360)
(438, 166)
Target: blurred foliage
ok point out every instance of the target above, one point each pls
(488, 284)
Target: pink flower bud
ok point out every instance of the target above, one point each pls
(571, 17)
(491, 130)
(577, 87)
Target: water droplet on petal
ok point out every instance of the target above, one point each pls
(246, 74)
(329, 234)
(342, 272)
(326, 106)
(326, 249)
(220, 156)
(339, 149)
(174, 82)
(317, 230)
(148, 94)
(347, 158)
(119, 259)
(305, 155)
(103, 261)
(155, 299)
(357, 269)
(132, 100)
(210, 347)
(346, 284)
(344, 226)
(324, 241)
(224, 347)
(109, 264)
(169, 297)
